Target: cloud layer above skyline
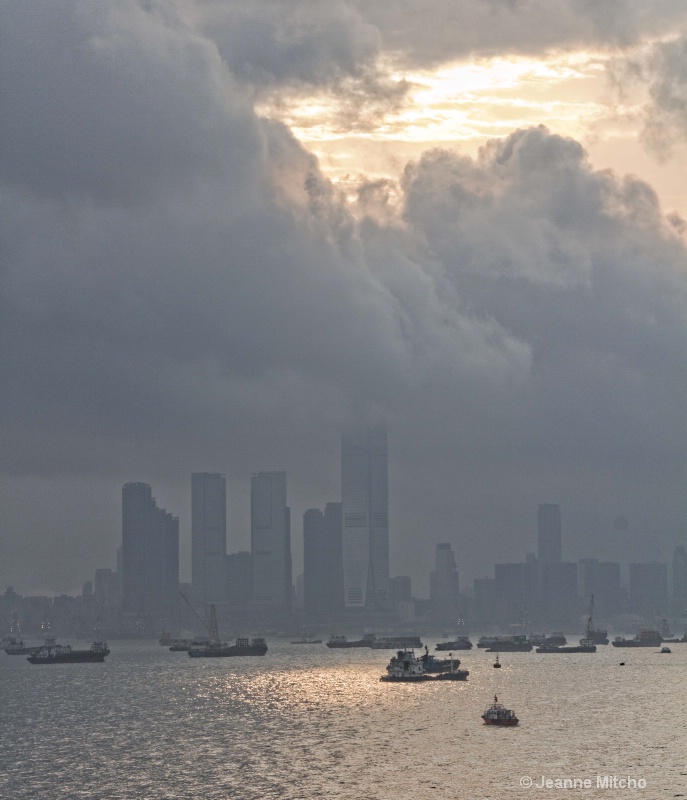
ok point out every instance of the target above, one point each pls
(183, 288)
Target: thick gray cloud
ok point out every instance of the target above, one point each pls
(428, 32)
(182, 289)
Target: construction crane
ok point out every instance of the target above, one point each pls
(212, 627)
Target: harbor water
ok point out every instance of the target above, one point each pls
(307, 722)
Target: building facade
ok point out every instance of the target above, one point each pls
(323, 559)
(365, 508)
(208, 539)
(150, 555)
(271, 541)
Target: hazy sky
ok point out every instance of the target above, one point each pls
(229, 227)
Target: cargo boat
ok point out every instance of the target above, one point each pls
(642, 639)
(459, 643)
(243, 647)
(51, 653)
(342, 641)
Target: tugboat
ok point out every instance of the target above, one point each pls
(52, 653)
(497, 714)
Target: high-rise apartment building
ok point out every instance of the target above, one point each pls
(322, 559)
(680, 580)
(208, 539)
(271, 541)
(648, 589)
(549, 533)
(443, 581)
(365, 506)
(150, 554)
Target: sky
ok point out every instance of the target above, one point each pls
(229, 229)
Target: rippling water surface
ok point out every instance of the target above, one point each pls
(309, 722)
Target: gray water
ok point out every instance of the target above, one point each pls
(308, 722)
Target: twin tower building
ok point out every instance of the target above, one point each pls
(346, 549)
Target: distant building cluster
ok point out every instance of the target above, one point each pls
(345, 579)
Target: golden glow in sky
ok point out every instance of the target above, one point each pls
(462, 105)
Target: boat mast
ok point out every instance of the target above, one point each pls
(589, 619)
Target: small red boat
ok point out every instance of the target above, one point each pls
(497, 714)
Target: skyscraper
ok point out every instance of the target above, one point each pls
(549, 533)
(322, 559)
(270, 540)
(443, 582)
(365, 505)
(208, 538)
(150, 554)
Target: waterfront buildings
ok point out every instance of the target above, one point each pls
(150, 555)
(323, 559)
(365, 507)
(208, 539)
(270, 541)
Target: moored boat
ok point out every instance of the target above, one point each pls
(52, 653)
(16, 647)
(459, 643)
(396, 642)
(497, 714)
(343, 642)
(581, 648)
(307, 640)
(216, 649)
(642, 639)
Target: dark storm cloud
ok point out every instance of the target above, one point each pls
(183, 289)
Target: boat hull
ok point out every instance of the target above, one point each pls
(227, 652)
(505, 723)
(86, 657)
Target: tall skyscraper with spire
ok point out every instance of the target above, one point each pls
(365, 507)
(208, 539)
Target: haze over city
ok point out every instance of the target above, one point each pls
(230, 229)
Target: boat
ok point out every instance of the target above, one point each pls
(342, 641)
(434, 665)
(184, 645)
(511, 644)
(581, 648)
(16, 647)
(406, 667)
(217, 649)
(52, 653)
(666, 650)
(594, 635)
(646, 638)
(497, 714)
(459, 643)
(307, 640)
(396, 642)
